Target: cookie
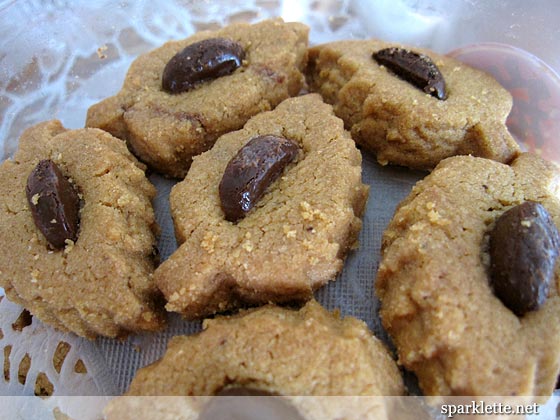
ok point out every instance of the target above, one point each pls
(403, 123)
(438, 287)
(99, 281)
(296, 236)
(166, 129)
(275, 350)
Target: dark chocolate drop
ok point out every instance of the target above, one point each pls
(249, 173)
(54, 204)
(524, 246)
(417, 69)
(201, 62)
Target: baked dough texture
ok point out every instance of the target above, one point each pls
(436, 301)
(166, 130)
(400, 123)
(293, 241)
(101, 284)
(282, 351)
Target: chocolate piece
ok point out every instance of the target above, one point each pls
(54, 204)
(200, 62)
(248, 174)
(248, 404)
(523, 250)
(417, 69)
(243, 391)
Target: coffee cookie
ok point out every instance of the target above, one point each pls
(169, 113)
(274, 350)
(78, 233)
(439, 278)
(412, 107)
(298, 233)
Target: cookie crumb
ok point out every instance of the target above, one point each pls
(101, 52)
(474, 98)
(433, 216)
(417, 226)
(314, 260)
(69, 246)
(208, 242)
(35, 199)
(124, 200)
(247, 246)
(290, 233)
(309, 213)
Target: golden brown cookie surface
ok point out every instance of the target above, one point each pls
(305, 352)
(296, 237)
(433, 281)
(100, 284)
(166, 130)
(399, 122)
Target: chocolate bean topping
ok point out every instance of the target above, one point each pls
(249, 173)
(524, 245)
(248, 404)
(417, 69)
(200, 62)
(54, 204)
